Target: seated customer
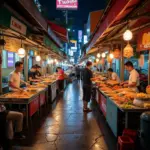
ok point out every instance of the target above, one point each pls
(113, 75)
(11, 117)
(31, 75)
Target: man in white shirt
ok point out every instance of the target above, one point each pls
(113, 75)
(133, 81)
(15, 77)
(14, 116)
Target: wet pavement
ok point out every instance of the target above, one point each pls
(68, 128)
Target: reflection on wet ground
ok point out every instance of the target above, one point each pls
(68, 128)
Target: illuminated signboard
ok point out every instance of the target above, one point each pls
(10, 59)
(80, 36)
(85, 39)
(73, 45)
(67, 4)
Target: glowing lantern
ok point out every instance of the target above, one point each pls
(98, 55)
(117, 53)
(128, 51)
(127, 36)
(111, 56)
(21, 52)
(97, 60)
(109, 60)
(38, 58)
(103, 55)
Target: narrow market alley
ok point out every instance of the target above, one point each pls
(68, 128)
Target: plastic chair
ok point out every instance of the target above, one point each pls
(131, 133)
(125, 143)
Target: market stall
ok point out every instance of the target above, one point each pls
(32, 99)
(121, 106)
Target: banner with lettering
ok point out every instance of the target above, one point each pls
(143, 42)
(67, 4)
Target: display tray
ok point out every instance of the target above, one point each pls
(121, 106)
(12, 98)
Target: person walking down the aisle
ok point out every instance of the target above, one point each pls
(61, 76)
(87, 86)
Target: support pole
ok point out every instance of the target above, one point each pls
(149, 68)
(1, 48)
(66, 15)
(26, 66)
(122, 64)
(1, 91)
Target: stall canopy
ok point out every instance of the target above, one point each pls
(29, 10)
(61, 32)
(116, 17)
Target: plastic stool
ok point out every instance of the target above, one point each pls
(131, 133)
(125, 143)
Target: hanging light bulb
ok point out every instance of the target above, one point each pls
(103, 55)
(128, 35)
(55, 60)
(48, 61)
(111, 56)
(97, 60)
(98, 55)
(52, 61)
(38, 58)
(21, 52)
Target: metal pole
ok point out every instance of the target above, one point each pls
(149, 68)
(66, 15)
(1, 71)
(26, 66)
(1, 48)
(122, 64)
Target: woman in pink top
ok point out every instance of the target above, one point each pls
(61, 77)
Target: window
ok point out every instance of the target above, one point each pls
(17, 58)
(4, 59)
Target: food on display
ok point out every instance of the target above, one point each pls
(112, 82)
(142, 96)
(146, 105)
(23, 94)
(116, 87)
(123, 90)
(127, 106)
(148, 89)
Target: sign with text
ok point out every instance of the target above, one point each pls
(144, 40)
(80, 36)
(18, 26)
(10, 59)
(67, 4)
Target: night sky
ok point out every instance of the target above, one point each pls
(80, 16)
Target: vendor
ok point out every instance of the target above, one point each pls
(15, 77)
(32, 75)
(37, 72)
(133, 82)
(113, 75)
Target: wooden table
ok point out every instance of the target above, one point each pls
(32, 104)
